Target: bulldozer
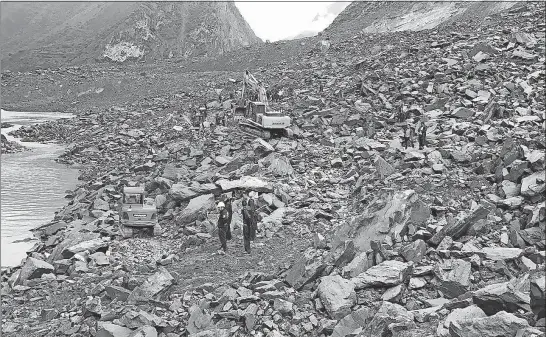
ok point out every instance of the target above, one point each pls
(254, 116)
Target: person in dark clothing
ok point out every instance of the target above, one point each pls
(252, 218)
(422, 136)
(405, 136)
(229, 209)
(222, 227)
(246, 226)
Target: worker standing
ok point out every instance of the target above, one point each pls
(405, 136)
(252, 215)
(229, 209)
(222, 227)
(246, 225)
(422, 135)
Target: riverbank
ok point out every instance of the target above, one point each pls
(358, 234)
(32, 175)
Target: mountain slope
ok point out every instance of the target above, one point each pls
(389, 16)
(41, 34)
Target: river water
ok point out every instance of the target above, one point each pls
(32, 184)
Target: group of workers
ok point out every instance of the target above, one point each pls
(250, 221)
(199, 118)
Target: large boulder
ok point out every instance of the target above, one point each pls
(388, 317)
(196, 206)
(107, 329)
(306, 269)
(95, 245)
(500, 253)
(395, 213)
(500, 324)
(459, 228)
(537, 291)
(386, 274)
(458, 314)
(360, 263)
(355, 320)
(183, 192)
(337, 294)
(533, 185)
(32, 269)
(154, 286)
(414, 251)
(245, 183)
(454, 277)
(508, 296)
(144, 331)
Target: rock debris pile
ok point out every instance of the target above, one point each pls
(359, 236)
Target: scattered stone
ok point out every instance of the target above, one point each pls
(337, 295)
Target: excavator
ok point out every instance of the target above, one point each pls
(254, 116)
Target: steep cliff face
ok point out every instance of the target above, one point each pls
(388, 16)
(60, 33)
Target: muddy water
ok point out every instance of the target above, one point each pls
(32, 184)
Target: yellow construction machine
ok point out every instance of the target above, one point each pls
(254, 116)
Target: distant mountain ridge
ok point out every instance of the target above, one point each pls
(392, 16)
(49, 34)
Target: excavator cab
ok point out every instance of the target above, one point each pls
(254, 110)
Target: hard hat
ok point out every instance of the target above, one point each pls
(221, 204)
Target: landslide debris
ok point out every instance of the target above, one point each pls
(359, 236)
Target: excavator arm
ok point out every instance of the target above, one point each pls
(251, 83)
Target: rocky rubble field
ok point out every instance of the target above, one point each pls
(358, 235)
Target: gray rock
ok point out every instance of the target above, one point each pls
(459, 228)
(283, 307)
(385, 274)
(454, 277)
(106, 329)
(183, 192)
(358, 265)
(89, 245)
(341, 255)
(32, 269)
(414, 251)
(458, 314)
(500, 253)
(99, 259)
(137, 319)
(500, 324)
(144, 331)
(245, 183)
(116, 292)
(510, 203)
(383, 168)
(394, 294)
(390, 216)
(417, 283)
(463, 113)
(198, 205)
(356, 320)
(212, 333)
(537, 291)
(388, 314)
(510, 189)
(533, 185)
(507, 296)
(155, 285)
(337, 294)
(306, 269)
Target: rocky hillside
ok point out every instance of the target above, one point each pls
(393, 16)
(359, 235)
(49, 34)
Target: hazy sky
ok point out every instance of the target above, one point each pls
(280, 20)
